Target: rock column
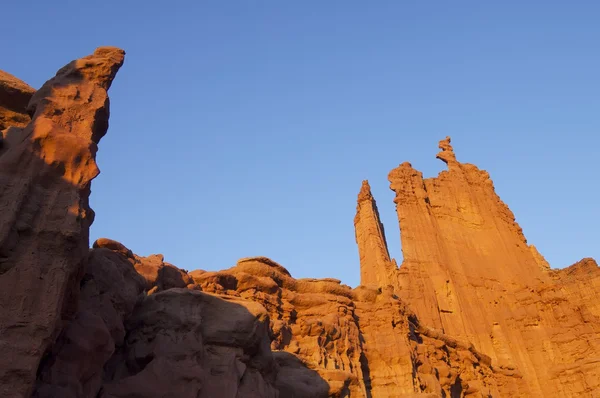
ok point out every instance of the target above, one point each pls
(376, 267)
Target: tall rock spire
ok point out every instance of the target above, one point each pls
(453, 226)
(376, 267)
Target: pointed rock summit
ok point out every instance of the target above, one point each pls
(376, 267)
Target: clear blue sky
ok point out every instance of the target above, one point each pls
(244, 128)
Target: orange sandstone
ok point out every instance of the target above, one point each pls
(473, 310)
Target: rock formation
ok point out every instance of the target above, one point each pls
(363, 342)
(376, 267)
(45, 178)
(14, 97)
(473, 311)
(469, 272)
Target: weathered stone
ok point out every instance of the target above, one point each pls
(469, 272)
(186, 343)
(110, 289)
(376, 267)
(160, 275)
(45, 217)
(14, 97)
(472, 311)
(361, 342)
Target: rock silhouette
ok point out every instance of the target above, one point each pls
(472, 311)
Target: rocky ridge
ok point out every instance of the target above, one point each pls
(472, 311)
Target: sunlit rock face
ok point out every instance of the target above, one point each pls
(376, 267)
(472, 311)
(469, 272)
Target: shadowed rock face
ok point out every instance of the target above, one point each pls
(14, 97)
(473, 311)
(45, 178)
(127, 340)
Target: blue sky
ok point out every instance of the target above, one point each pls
(245, 128)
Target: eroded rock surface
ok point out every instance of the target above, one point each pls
(128, 341)
(376, 267)
(469, 272)
(105, 322)
(45, 178)
(14, 97)
(109, 291)
(363, 342)
(473, 311)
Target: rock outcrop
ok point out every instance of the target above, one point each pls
(14, 97)
(362, 342)
(45, 178)
(473, 310)
(127, 341)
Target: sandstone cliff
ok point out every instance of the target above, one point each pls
(469, 272)
(473, 310)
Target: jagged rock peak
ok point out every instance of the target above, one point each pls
(95, 73)
(447, 152)
(376, 267)
(365, 192)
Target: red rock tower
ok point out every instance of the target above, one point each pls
(376, 267)
(469, 272)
